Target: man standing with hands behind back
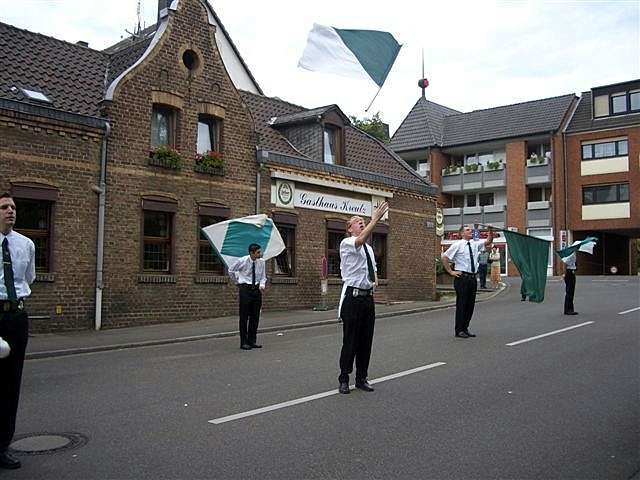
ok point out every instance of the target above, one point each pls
(464, 254)
(357, 310)
(17, 273)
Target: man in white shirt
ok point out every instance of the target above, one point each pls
(570, 284)
(357, 310)
(249, 273)
(464, 254)
(17, 273)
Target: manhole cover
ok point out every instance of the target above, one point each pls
(44, 443)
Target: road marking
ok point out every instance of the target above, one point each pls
(611, 280)
(629, 311)
(310, 398)
(547, 334)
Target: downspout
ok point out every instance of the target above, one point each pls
(258, 180)
(102, 192)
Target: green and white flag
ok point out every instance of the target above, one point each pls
(366, 54)
(531, 257)
(585, 245)
(231, 238)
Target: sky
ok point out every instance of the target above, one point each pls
(477, 54)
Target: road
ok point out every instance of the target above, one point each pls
(558, 406)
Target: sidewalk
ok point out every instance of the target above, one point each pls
(61, 344)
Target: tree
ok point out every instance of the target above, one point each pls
(373, 126)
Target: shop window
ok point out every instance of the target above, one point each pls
(209, 261)
(163, 126)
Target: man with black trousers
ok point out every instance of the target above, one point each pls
(250, 274)
(464, 254)
(357, 310)
(570, 284)
(18, 272)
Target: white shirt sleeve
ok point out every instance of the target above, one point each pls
(233, 270)
(30, 274)
(451, 251)
(263, 274)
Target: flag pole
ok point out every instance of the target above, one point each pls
(376, 96)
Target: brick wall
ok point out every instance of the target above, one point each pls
(516, 153)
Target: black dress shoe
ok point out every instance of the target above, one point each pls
(571, 313)
(255, 345)
(470, 334)
(9, 461)
(462, 335)
(344, 387)
(523, 299)
(245, 346)
(364, 386)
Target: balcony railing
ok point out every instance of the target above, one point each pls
(538, 171)
(457, 180)
(539, 214)
(454, 218)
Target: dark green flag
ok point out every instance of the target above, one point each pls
(531, 256)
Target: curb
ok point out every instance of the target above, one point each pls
(193, 338)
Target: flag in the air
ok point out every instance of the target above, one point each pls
(231, 238)
(531, 257)
(585, 245)
(352, 53)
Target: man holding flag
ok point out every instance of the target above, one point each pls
(568, 256)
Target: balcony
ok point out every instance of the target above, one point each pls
(458, 180)
(539, 214)
(538, 171)
(494, 215)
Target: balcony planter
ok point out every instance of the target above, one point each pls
(210, 163)
(471, 168)
(535, 161)
(165, 157)
(454, 170)
(494, 166)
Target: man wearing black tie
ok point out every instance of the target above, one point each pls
(357, 310)
(464, 254)
(249, 273)
(17, 273)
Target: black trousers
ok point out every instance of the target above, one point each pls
(358, 319)
(482, 274)
(250, 304)
(466, 288)
(570, 289)
(14, 329)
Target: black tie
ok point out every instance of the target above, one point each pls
(473, 266)
(253, 273)
(8, 271)
(370, 273)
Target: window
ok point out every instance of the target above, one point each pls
(605, 194)
(539, 194)
(208, 260)
(484, 158)
(610, 149)
(619, 103)
(331, 145)
(163, 126)
(634, 101)
(485, 199)
(335, 234)
(471, 200)
(208, 134)
(157, 246)
(379, 245)
(34, 221)
(457, 201)
(284, 264)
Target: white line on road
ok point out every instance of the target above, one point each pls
(547, 334)
(629, 311)
(317, 396)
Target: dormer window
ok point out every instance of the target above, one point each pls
(331, 145)
(616, 100)
(35, 95)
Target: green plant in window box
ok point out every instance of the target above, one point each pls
(210, 159)
(471, 168)
(166, 156)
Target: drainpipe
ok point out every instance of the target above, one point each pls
(258, 154)
(102, 191)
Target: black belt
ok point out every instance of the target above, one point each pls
(249, 287)
(468, 274)
(359, 292)
(11, 305)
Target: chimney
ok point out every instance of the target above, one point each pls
(162, 4)
(82, 43)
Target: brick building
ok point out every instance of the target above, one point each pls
(116, 158)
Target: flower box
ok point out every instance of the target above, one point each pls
(208, 169)
(165, 157)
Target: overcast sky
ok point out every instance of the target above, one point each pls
(478, 54)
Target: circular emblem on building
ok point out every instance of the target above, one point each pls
(285, 194)
(439, 216)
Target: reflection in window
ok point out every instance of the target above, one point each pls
(157, 241)
(334, 237)
(208, 134)
(162, 127)
(208, 259)
(34, 221)
(330, 145)
(379, 245)
(619, 103)
(285, 262)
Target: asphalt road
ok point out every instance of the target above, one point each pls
(562, 406)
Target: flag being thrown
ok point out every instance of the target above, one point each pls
(585, 245)
(231, 238)
(366, 54)
(531, 257)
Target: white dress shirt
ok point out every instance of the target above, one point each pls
(353, 264)
(570, 261)
(458, 253)
(240, 272)
(23, 261)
